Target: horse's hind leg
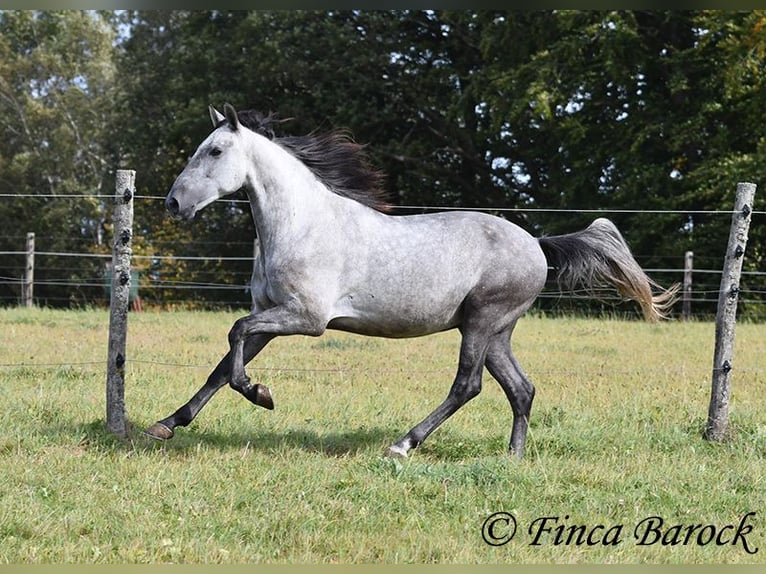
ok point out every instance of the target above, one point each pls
(502, 365)
(466, 386)
(220, 376)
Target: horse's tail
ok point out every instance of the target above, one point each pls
(598, 256)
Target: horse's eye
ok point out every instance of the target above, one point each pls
(215, 152)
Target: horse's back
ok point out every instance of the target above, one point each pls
(477, 247)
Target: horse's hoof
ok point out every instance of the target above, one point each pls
(159, 431)
(264, 397)
(260, 395)
(396, 452)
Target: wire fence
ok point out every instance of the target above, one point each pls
(706, 288)
(90, 286)
(700, 370)
(223, 281)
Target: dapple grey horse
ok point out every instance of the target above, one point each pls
(331, 257)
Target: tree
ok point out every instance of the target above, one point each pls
(633, 111)
(56, 77)
(534, 110)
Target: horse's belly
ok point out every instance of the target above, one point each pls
(394, 327)
(390, 314)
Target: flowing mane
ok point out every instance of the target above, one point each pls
(334, 157)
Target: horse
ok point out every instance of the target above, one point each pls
(332, 255)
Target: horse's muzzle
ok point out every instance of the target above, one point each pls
(171, 204)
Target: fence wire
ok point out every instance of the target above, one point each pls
(703, 295)
(151, 281)
(489, 209)
(99, 364)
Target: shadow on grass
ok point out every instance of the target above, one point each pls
(187, 440)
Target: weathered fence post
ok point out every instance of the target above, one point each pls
(28, 286)
(686, 310)
(118, 313)
(726, 316)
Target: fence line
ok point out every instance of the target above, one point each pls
(419, 207)
(172, 284)
(149, 257)
(728, 295)
(120, 285)
(99, 281)
(249, 258)
(702, 294)
(698, 369)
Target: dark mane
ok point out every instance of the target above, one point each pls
(334, 157)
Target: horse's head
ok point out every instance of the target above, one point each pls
(218, 168)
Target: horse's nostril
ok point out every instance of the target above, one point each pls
(171, 204)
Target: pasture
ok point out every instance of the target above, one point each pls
(615, 438)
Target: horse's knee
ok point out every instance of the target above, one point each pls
(464, 390)
(237, 331)
(473, 390)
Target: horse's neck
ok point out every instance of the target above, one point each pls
(285, 198)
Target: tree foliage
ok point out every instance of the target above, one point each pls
(57, 76)
(654, 111)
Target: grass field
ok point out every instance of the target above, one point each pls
(615, 439)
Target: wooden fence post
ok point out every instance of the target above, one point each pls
(726, 316)
(686, 312)
(118, 310)
(28, 286)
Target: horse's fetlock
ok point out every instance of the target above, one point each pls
(241, 384)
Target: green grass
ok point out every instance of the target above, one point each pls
(615, 438)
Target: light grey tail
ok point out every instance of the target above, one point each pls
(598, 256)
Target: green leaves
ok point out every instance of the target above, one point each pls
(573, 110)
(56, 82)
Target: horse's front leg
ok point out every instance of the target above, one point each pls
(164, 429)
(282, 320)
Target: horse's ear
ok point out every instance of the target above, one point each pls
(215, 116)
(231, 116)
